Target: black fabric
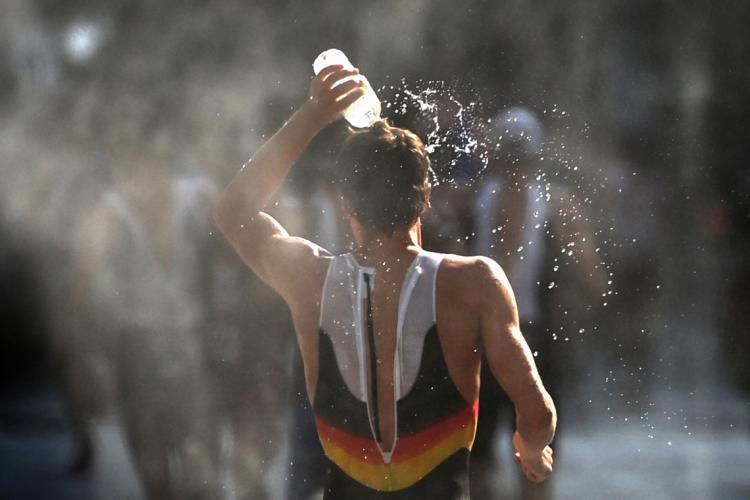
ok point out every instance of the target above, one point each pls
(334, 403)
(433, 397)
(448, 481)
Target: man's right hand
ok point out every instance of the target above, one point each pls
(536, 465)
(329, 97)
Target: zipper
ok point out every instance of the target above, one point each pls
(375, 412)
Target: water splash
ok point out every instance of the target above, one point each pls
(463, 136)
(569, 213)
(451, 129)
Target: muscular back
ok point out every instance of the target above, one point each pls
(458, 302)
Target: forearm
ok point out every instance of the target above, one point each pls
(258, 180)
(537, 428)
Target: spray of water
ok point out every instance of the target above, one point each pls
(452, 130)
(563, 245)
(462, 138)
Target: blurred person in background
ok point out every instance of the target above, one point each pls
(396, 426)
(62, 187)
(76, 190)
(238, 305)
(139, 281)
(25, 357)
(518, 215)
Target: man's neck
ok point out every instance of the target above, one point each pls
(375, 248)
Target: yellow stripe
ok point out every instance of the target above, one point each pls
(397, 476)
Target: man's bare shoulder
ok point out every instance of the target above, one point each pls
(469, 266)
(472, 276)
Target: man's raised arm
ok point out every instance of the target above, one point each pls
(259, 239)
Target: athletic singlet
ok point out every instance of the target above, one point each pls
(435, 425)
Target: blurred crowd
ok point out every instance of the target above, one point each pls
(147, 320)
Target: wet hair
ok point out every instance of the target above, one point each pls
(383, 176)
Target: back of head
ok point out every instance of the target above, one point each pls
(384, 177)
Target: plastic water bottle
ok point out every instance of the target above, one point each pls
(364, 111)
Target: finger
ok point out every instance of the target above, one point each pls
(318, 85)
(528, 473)
(533, 476)
(341, 90)
(337, 75)
(548, 470)
(349, 98)
(326, 72)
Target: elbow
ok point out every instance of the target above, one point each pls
(234, 222)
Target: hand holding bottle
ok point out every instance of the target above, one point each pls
(332, 91)
(364, 111)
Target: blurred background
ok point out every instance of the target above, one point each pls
(596, 149)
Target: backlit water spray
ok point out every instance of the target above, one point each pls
(567, 240)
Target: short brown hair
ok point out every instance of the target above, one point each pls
(383, 176)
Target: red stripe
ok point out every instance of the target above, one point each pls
(366, 450)
(415, 444)
(361, 448)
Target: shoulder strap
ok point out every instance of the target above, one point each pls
(417, 315)
(341, 321)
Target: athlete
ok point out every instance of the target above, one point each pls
(391, 335)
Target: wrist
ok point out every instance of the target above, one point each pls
(525, 447)
(308, 118)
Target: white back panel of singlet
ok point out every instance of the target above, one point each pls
(343, 318)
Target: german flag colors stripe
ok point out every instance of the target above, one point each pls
(414, 456)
